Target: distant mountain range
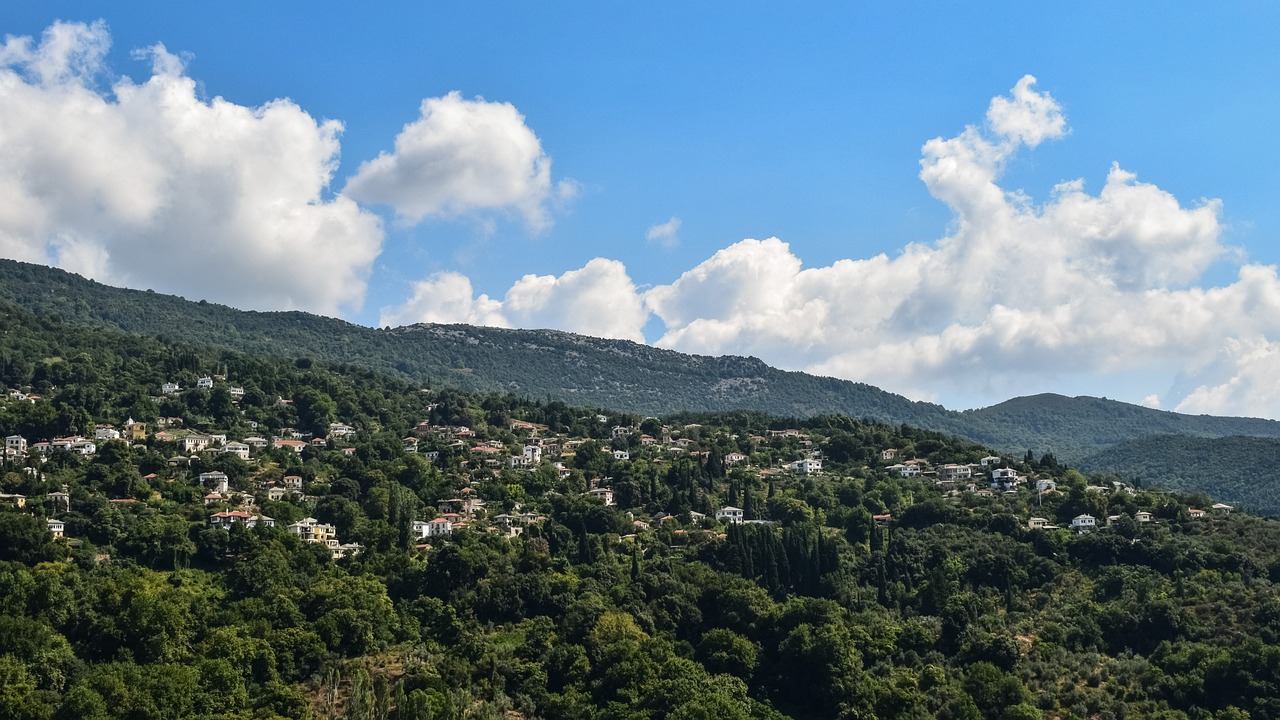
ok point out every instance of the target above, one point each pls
(616, 374)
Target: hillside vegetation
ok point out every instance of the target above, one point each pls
(592, 372)
(1239, 470)
(856, 593)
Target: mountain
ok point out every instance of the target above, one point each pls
(1238, 470)
(595, 372)
(1074, 428)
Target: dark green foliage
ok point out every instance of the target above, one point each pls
(865, 595)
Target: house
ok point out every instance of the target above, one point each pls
(16, 443)
(621, 455)
(1004, 478)
(1222, 508)
(1195, 514)
(1083, 523)
(239, 449)
(1045, 485)
(255, 443)
(135, 430)
(313, 531)
(807, 466)
(604, 494)
(213, 498)
(56, 527)
(227, 518)
(319, 443)
(734, 458)
(338, 430)
(194, 443)
(106, 432)
(1142, 516)
(989, 461)
(294, 445)
(439, 527)
(170, 388)
(62, 499)
(205, 383)
(1039, 523)
(293, 482)
(888, 453)
(952, 472)
(216, 479)
(731, 514)
(13, 499)
(276, 493)
(904, 470)
(236, 393)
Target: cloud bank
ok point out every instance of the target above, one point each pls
(1018, 295)
(148, 185)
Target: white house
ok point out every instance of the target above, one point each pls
(56, 527)
(106, 432)
(16, 443)
(439, 527)
(904, 470)
(1143, 516)
(1004, 478)
(1083, 523)
(729, 513)
(216, 480)
(1038, 523)
(621, 455)
(194, 443)
(239, 449)
(205, 383)
(807, 466)
(604, 494)
(170, 388)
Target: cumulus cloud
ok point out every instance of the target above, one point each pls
(1016, 298)
(462, 156)
(666, 234)
(148, 185)
(598, 299)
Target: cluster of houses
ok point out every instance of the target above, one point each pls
(534, 447)
(1085, 522)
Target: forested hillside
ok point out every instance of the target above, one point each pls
(1242, 470)
(587, 371)
(584, 571)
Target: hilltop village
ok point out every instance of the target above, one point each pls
(497, 478)
(188, 533)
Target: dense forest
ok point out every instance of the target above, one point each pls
(855, 593)
(1240, 470)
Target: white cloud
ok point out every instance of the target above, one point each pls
(1015, 300)
(147, 185)
(599, 300)
(463, 156)
(666, 234)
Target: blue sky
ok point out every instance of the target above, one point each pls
(803, 123)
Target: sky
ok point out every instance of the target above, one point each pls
(958, 202)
